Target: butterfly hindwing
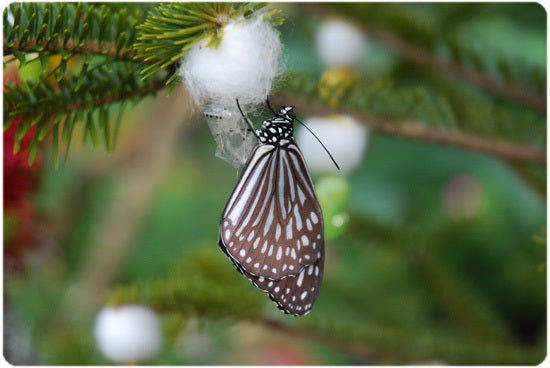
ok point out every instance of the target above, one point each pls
(293, 294)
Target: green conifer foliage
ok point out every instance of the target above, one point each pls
(425, 273)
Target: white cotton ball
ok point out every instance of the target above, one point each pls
(339, 43)
(128, 334)
(243, 66)
(344, 138)
(10, 17)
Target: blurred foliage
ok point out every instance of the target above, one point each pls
(444, 256)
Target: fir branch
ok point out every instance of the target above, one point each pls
(69, 28)
(429, 61)
(202, 284)
(421, 132)
(385, 344)
(413, 38)
(81, 30)
(223, 296)
(534, 176)
(56, 107)
(414, 113)
(208, 287)
(171, 29)
(106, 85)
(109, 50)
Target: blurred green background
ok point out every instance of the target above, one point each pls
(443, 260)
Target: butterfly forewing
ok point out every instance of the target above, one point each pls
(272, 225)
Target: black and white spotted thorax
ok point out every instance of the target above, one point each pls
(278, 131)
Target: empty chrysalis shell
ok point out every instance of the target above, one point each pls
(233, 139)
(242, 65)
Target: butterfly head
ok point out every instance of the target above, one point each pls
(287, 112)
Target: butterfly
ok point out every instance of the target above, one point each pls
(272, 225)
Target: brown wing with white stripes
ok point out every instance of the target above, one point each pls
(272, 225)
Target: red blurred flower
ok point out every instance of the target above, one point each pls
(286, 354)
(20, 180)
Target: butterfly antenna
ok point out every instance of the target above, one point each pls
(305, 126)
(269, 105)
(273, 111)
(321, 143)
(248, 122)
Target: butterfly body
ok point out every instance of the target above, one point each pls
(272, 225)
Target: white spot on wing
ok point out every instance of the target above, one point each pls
(301, 196)
(289, 230)
(300, 279)
(270, 218)
(314, 217)
(298, 218)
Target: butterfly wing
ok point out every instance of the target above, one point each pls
(272, 228)
(293, 294)
(272, 225)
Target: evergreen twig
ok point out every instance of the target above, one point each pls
(382, 344)
(429, 61)
(68, 28)
(421, 132)
(418, 53)
(170, 30)
(57, 106)
(109, 50)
